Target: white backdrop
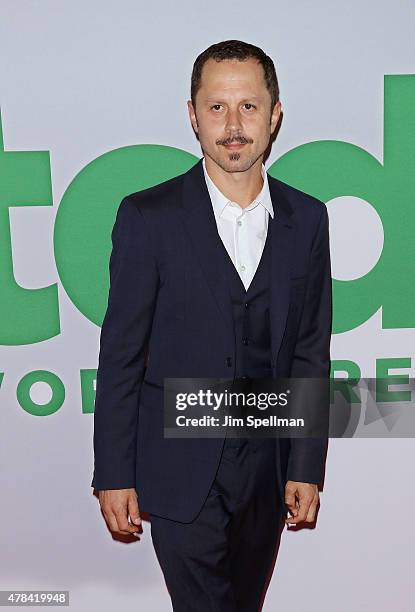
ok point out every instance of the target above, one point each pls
(79, 79)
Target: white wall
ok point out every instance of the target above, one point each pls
(82, 78)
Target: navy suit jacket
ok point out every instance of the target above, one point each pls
(169, 314)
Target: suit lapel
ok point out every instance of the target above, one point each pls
(197, 214)
(198, 217)
(282, 242)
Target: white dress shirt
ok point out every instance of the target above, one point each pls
(243, 231)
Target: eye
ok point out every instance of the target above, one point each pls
(249, 104)
(214, 105)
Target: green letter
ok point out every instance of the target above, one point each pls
(27, 315)
(87, 213)
(330, 169)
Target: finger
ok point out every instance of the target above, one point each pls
(311, 515)
(111, 521)
(122, 521)
(133, 510)
(301, 512)
(290, 501)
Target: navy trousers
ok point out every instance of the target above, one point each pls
(223, 560)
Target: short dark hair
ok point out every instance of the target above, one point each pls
(235, 49)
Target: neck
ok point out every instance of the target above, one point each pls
(239, 187)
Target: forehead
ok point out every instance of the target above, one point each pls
(231, 76)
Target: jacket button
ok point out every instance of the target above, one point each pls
(245, 340)
(228, 362)
(246, 305)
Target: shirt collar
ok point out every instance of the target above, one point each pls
(220, 201)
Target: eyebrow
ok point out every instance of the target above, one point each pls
(217, 98)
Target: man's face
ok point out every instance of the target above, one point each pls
(233, 113)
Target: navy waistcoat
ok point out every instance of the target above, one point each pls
(251, 316)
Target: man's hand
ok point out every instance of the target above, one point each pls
(116, 505)
(302, 499)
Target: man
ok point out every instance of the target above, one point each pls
(222, 272)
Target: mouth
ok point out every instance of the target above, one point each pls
(234, 146)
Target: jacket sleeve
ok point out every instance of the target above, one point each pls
(306, 462)
(123, 342)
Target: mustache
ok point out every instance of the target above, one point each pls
(236, 139)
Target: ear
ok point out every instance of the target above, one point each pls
(275, 115)
(192, 115)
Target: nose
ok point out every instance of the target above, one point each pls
(233, 121)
